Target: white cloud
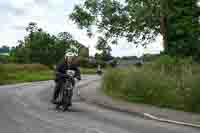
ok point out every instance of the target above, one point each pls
(198, 3)
(51, 15)
(21, 3)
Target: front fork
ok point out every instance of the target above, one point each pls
(68, 96)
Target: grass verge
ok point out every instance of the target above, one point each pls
(167, 82)
(88, 71)
(17, 73)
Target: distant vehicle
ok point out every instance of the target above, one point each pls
(99, 70)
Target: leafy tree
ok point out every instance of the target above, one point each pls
(97, 56)
(184, 29)
(104, 48)
(84, 52)
(20, 53)
(140, 21)
(32, 27)
(115, 19)
(41, 47)
(65, 36)
(4, 49)
(4, 59)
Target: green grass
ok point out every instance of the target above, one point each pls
(167, 82)
(88, 71)
(17, 73)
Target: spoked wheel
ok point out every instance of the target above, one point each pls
(62, 108)
(57, 107)
(65, 108)
(65, 98)
(65, 102)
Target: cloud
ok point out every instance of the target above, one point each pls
(51, 15)
(41, 2)
(7, 8)
(198, 3)
(18, 27)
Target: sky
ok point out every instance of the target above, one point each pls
(52, 16)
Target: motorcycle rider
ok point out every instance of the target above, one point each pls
(99, 69)
(67, 64)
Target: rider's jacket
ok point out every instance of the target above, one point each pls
(63, 67)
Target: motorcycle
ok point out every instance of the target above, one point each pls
(66, 92)
(99, 70)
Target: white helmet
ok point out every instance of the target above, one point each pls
(70, 54)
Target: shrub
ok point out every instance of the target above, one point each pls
(84, 62)
(167, 82)
(4, 59)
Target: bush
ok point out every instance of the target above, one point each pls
(84, 62)
(167, 82)
(100, 62)
(4, 59)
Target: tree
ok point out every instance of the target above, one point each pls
(104, 48)
(84, 52)
(184, 29)
(20, 53)
(73, 45)
(37, 47)
(41, 47)
(62, 42)
(140, 21)
(32, 27)
(136, 20)
(97, 56)
(65, 36)
(4, 49)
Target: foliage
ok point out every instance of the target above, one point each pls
(140, 21)
(167, 82)
(149, 57)
(15, 73)
(4, 59)
(84, 52)
(4, 49)
(41, 47)
(105, 49)
(184, 29)
(88, 71)
(86, 63)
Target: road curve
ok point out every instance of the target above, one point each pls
(25, 108)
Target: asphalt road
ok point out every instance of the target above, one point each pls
(25, 108)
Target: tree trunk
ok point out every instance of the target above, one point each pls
(163, 30)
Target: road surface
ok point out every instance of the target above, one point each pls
(25, 108)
